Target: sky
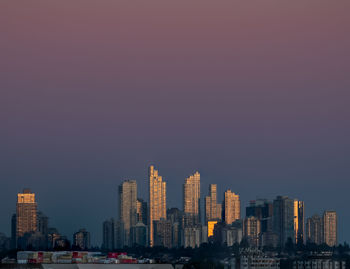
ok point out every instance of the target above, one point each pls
(252, 94)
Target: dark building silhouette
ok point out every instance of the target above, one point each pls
(81, 239)
(139, 235)
(13, 232)
(262, 209)
(141, 211)
(283, 219)
(314, 230)
(108, 234)
(42, 223)
(177, 219)
(52, 236)
(226, 234)
(119, 235)
(5, 242)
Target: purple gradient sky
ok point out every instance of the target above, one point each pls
(253, 94)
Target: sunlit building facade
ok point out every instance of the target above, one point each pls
(157, 200)
(191, 198)
(213, 210)
(26, 213)
(330, 228)
(299, 222)
(211, 225)
(252, 230)
(128, 207)
(232, 207)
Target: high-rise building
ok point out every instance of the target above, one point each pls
(175, 216)
(26, 213)
(42, 230)
(162, 233)
(283, 219)
(52, 237)
(232, 207)
(141, 211)
(81, 239)
(139, 235)
(128, 207)
(176, 234)
(269, 239)
(36, 240)
(314, 230)
(228, 234)
(119, 234)
(108, 235)
(212, 208)
(62, 242)
(13, 232)
(252, 230)
(42, 223)
(191, 198)
(330, 228)
(192, 236)
(262, 209)
(299, 222)
(5, 242)
(204, 238)
(157, 200)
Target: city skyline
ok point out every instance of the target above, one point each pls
(131, 205)
(253, 95)
(97, 238)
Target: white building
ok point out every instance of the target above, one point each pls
(319, 264)
(254, 259)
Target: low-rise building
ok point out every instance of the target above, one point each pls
(320, 260)
(254, 259)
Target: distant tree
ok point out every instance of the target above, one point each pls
(244, 243)
(289, 246)
(300, 246)
(311, 247)
(202, 264)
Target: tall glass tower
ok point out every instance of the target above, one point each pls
(191, 198)
(157, 200)
(26, 213)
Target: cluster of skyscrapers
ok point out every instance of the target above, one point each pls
(267, 223)
(151, 223)
(30, 228)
